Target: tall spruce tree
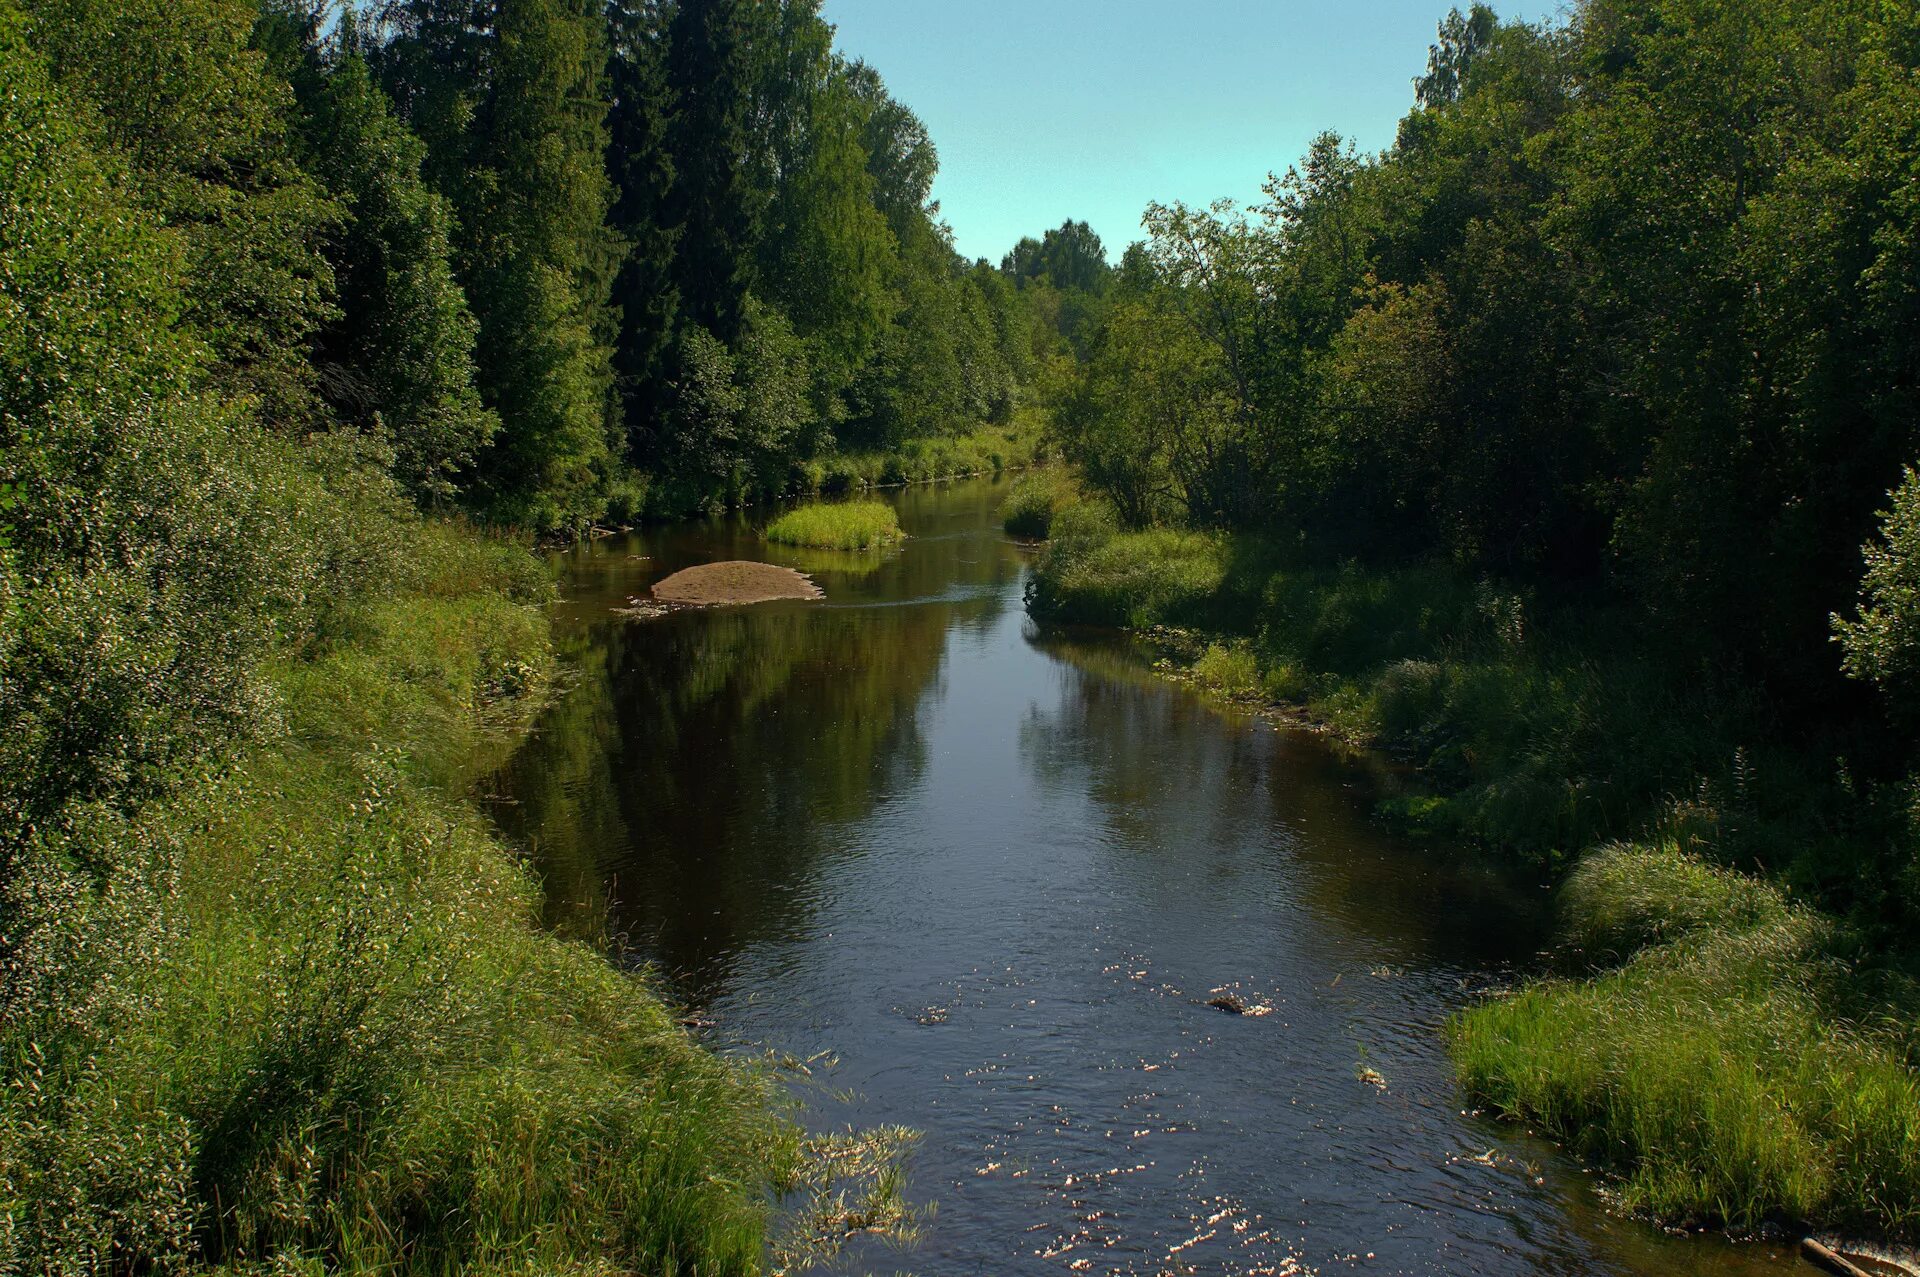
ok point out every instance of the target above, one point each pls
(645, 291)
(715, 204)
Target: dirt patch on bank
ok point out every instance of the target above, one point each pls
(719, 584)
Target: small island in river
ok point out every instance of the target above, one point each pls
(736, 582)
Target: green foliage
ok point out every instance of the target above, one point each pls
(1882, 640)
(1070, 258)
(272, 996)
(735, 414)
(827, 254)
(1629, 896)
(158, 533)
(1035, 500)
(849, 525)
(203, 122)
(513, 113)
(1727, 1072)
(1092, 575)
(398, 361)
(1230, 671)
(714, 205)
(776, 198)
(371, 1054)
(1607, 313)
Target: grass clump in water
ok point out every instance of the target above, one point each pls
(1093, 574)
(1731, 1074)
(1035, 500)
(848, 525)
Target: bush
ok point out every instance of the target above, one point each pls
(1033, 502)
(1627, 896)
(851, 525)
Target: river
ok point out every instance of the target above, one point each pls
(988, 879)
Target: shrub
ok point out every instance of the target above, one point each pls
(1627, 896)
(1093, 575)
(1033, 502)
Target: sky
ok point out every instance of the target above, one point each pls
(1045, 110)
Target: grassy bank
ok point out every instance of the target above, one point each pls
(988, 450)
(843, 525)
(1737, 1068)
(1733, 1056)
(312, 1021)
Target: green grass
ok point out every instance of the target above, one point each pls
(1035, 500)
(1230, 671)
(847, 525)
(987, 450)
(1735, 1072)
(316, 1025)
(1092, 574)
(1539, 738)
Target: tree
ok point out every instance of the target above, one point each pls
(640, 165)
(714, 206)
(398, 359)
(512, 102)
(1463, 37)
(214, 156)
(1070, 257)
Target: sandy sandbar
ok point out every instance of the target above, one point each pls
(714, 584)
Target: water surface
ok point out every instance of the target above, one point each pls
(991, 877)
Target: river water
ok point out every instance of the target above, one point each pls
(988, 878)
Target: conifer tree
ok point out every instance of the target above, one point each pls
(715, 206)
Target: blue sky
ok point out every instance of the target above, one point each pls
(1048, 109)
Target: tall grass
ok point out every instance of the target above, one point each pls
(1732, 1073)
(988, 450)
(1035, 499)
(1095, 575)
(1537, 735)
(847, 525)
(300, 1014)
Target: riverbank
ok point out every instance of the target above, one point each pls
(1732, 1066)
(987, 450)
(326, 1030)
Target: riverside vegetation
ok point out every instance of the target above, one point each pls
(309, 322)
(1541, 449)
(847, 525)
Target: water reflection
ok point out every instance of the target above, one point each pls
(1000, 874)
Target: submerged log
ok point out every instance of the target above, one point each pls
(1831, 1260)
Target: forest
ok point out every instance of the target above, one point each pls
(1565, 449)
(311, 318)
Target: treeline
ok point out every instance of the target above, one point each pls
(1632, 300)
(1629, 311)
(562, 259)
